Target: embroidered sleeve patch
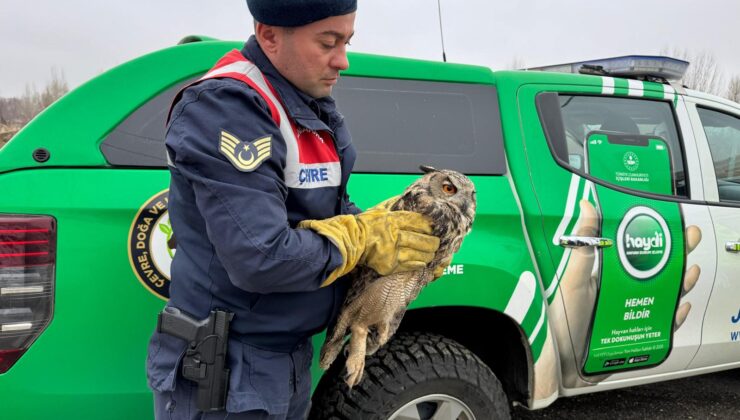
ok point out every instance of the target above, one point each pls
(245, 157)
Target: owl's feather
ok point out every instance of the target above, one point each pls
(375, 304)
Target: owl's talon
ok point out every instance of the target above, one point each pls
(355, 368)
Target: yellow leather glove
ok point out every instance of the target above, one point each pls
(386, 205)
(388, 242)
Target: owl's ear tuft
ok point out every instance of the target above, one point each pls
(426, 169)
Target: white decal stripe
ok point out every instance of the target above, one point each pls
(538, 284)
(669, 92)
(636, 87)
(607, 87)
(522, 298)
(588, 189)
(570, 205)
(537, 327)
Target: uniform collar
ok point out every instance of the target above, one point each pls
(314, 114)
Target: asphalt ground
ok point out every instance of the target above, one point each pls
(712, 396)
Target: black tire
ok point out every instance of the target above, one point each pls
(410, 366)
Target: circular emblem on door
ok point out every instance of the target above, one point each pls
(643, 242)
(151, 245)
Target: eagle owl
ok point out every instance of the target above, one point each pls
(375, 304)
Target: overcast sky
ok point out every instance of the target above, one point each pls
(85, 37)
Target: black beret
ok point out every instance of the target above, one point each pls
(298, 12)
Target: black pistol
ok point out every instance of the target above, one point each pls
(205, 359)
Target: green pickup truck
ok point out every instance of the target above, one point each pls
(604, 253)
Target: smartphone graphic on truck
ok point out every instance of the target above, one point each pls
(640, 276)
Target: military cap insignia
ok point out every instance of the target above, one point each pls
(245, 157)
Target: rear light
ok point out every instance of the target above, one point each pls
(27, 261)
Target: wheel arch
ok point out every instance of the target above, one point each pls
(512, 363)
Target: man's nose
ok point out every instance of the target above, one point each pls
(339, 61)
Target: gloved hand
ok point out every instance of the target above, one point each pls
(388, 242)
(386, 205)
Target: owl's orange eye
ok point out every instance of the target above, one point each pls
(449, 189)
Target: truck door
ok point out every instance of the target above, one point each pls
(609, 175)
(717, 130)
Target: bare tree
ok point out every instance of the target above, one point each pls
(3, 112)
(9, 111)
(33, 101)
(28, 106)
(54, 89)
(17, 112)
(733, 90)
(703, 73)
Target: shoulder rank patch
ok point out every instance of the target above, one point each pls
(245, 157)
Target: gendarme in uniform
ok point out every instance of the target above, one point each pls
(260, 159)
(238, 190)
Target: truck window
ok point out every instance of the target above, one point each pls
(139, 139)
(723, 135)
(396, 126)
(582, 115)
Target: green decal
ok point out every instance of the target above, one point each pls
(632, 323)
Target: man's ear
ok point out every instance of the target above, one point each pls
(267, 36)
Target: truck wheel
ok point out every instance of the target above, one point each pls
(415, 376)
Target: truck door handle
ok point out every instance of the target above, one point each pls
(732, 246)
(581, 241)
